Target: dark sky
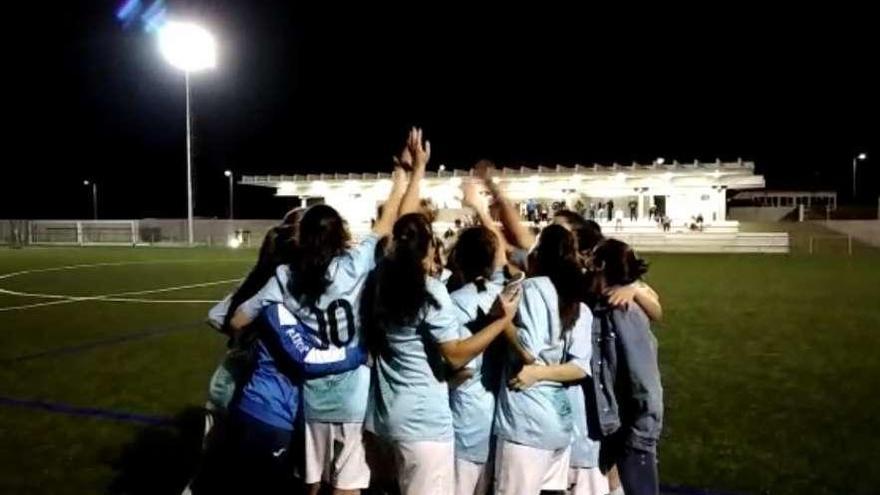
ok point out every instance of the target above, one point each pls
(796, 91)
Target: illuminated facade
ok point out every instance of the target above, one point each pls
(680, 190)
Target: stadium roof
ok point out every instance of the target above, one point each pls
(733, 175)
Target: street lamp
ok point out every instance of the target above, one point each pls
(860, 157)
(660, 160)
(229, 175)
(94, 197)
(190, 48)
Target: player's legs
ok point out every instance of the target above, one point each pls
(587, 481)
(348, 469)
(335, 455)
(472, 478)
(638, 472)
(520, 470)
(316, 452)
(426, 468)
(263, 458)
(556, 478)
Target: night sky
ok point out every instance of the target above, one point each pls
(795, 91)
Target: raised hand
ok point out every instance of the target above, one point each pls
(483, 170)
(420, 151)
(471, 196)
(404, 160)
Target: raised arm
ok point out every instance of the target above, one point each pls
(520, 235)
(458, 353)
(386, 219)
(421, 153)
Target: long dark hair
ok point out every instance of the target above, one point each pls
(402, 291)
(277, 249)
(474, 255)
(617, 263)
(396, 292)
(322, 236)
(556, 257)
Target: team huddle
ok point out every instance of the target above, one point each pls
(510, 363)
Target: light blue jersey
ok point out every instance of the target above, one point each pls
(579, 351)
(335, 316)
(541, 415)
(411, 400)
(473, 402)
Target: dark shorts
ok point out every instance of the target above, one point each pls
(264, 456)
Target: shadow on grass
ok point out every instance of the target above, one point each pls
(161, 459)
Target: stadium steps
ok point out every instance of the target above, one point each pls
(706, 242)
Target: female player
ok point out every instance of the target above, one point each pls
(534, 418)
(414, 333)
(322, 289)
(628, 391)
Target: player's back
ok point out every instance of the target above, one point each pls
(335, 319)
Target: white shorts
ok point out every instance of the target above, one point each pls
(522, 470)
(587, 481)
(335, 455)
(472, 478)
(425, 468)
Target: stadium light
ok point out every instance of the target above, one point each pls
(187, 46)
(229, 175)
(855, 160)
(190, 48)
(94, 191)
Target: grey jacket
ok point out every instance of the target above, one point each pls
(625, 389)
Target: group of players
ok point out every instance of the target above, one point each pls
(513, 363)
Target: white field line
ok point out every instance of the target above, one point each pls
(115, 297)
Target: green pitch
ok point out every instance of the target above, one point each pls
(770, 367)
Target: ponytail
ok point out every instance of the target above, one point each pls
(400, 292)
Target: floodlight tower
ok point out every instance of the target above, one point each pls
(856, 159)
(190, 48)
(229, 175)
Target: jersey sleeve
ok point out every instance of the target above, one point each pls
(301, 348)
(362, 257)
(531, 315)
(271, 293)
(460, 305)
(579, 348)
(442, 322)
(217, 313)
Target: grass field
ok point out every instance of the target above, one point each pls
(770, 366)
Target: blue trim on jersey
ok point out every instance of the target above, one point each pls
(286, 353)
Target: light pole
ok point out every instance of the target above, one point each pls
(229, 175)
(860, 157)
(94, 197)
(190, 48)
